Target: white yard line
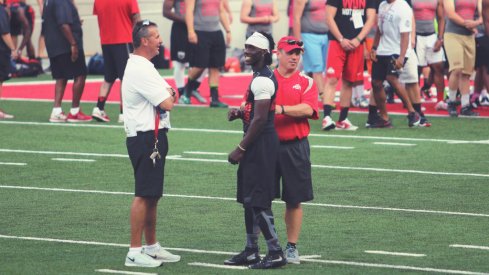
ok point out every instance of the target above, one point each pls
(73, 160)
(394, 144)
(14, 163)
(123, 272)
(423, 211)
(205, 153)
(218, 266)
(470, 246)
(394, 253)
(336, 262)
(332, 147)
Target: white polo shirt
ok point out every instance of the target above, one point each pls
(393, 19)
(142, 89)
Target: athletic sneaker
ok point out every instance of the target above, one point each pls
(328, 123)
(161, 254)
(245, 257)
(79, 117)
(292, 255)
(452, 109)
(100, 115)
(345, 125)
(58, 118)
(423, 122)
(379, 123)
(467, 111)
(441, 105)
(141, 260)
(474, 100)
(270, 261)
(217, 104)
(4, 115)
(484, 100)
(198, 96)
(184, 100)
(121, 118)
(413, 119)
(426, 93)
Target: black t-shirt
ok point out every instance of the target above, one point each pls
(346, 9)
(55, 14)
(4, 28)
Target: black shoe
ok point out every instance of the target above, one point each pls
(218, 104)
(372, 119)
(467, 111)
(270, 261)
(423, 122)
(246, 257)
(381, 123)
(413, 119)
(452, 109)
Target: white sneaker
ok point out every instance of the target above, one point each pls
(58, 118)
(121, 118)
(328, 123)
(141, 260)
(100, 115)
(4, 115)
(292, 255)
(161, 254)
(441, 105)
(345, 125)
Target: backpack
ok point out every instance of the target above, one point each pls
(24, 67)
(96, 64)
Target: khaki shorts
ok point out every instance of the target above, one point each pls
(460, 51)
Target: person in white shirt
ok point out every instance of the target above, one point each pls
(147, 100)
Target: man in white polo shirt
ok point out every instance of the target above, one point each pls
(147, 100)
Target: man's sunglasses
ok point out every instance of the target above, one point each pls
(144, 23)
(295, 42)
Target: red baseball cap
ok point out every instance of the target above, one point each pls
(289, 43)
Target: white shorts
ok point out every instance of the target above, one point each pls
(409, 73)
(424, 50)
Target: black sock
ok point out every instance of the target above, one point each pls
(181, 90)
(191, 84)
(289, 244)
(214, 94)
(327, 110)
(417, 108)
(372, 110)
(344, 113)
(101, 102)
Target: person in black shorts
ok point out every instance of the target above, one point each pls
(22, 23)
(7, 51)
(257, 157)
(64, 44)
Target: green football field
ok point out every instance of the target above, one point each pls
(387, 201)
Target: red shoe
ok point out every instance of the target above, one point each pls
(79, 117)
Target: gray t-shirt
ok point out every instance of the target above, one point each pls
(55, 14)
(260, 8)
(313, 18)
(206, 15)
(465, 9)
(424, 14)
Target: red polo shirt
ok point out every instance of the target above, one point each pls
(295, 90)
(115, 20)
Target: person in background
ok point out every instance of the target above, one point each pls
(259, 15)
(7, 51)
(64, 44)
(116, 46)
(297, 102)
(148, 100)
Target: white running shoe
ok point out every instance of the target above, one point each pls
(58, 118)
(140, 259)
(345, 125)
(292, 255)
(441, 105)
(161, 254)
(328, 123)
(121, 118)
(4, 115)
(100, 115)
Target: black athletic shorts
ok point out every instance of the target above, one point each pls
(63, 68)
(482, 52)
(149, 179)
(115, 60)
(256, 172)
(5, 66)
(15, 23)
(180, 46)
(294, 168)
(209, 52)
(385, 66)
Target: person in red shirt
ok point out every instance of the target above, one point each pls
(296, 103)
(115, 21)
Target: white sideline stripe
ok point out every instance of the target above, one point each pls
(470, 246)
(394, 144)
(309, 257)
(93, 125)
(425, 211)
(79, 160)
(123, 272)
(400, 267)
(14, 163)
(178, 157)
(466, 142)
(218, 266)
(394, 253)
(205, 153)
(332, 147)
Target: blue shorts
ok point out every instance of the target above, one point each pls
(315, 52)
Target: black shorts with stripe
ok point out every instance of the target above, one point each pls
(149, 179)
(209, 52)
(482, 52)
(179, 45)
(115, 60)
(294, 169)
